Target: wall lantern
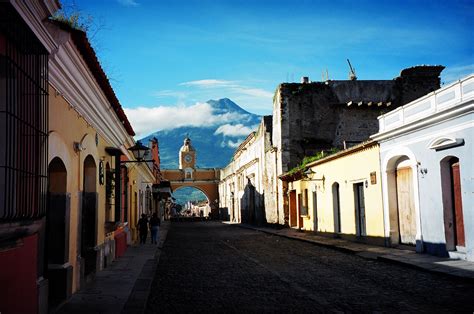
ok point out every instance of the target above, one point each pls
(138, 150)
(308, 176)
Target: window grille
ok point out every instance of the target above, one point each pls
(23, 119)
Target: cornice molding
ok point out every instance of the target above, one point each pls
(459, 110)
(70, 76)
(33, 13)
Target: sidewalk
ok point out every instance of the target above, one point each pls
(451, 267)
(124, 286)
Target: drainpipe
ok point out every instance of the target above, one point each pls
(276, 180)
(118, 183)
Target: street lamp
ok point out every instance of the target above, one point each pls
(138, 150)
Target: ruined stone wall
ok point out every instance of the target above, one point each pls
(310, 117)
(356, 125)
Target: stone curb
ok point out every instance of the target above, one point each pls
(138, 298)
(387, 258)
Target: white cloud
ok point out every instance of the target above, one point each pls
(148, 120)
(208, 83)
(233, 144)
(256, 92)
(451, 74)
(128, 3)
(236, 130)
(251, 98)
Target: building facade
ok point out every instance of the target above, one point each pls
(426, 152)
(340, 194)
(309, 118)
(75, 210)
(248, 182)
(24, 49)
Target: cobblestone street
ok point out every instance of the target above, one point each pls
(210, 267)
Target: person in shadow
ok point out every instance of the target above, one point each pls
(142, 226)
(155, 228)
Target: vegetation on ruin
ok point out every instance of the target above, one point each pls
(297, 172)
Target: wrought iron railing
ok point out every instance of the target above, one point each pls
(23, 120)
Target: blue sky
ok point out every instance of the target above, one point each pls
(166, 56)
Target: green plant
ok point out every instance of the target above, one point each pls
(309, 159)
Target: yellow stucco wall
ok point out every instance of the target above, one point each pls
(66, 127)
(346, 170)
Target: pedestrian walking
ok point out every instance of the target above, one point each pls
(155, 229)
(143, 228)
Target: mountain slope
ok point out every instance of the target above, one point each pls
(214, 144)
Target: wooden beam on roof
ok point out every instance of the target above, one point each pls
(369, 103)
(360, 103)
(379, 103)
(389, 103)
(349, 103)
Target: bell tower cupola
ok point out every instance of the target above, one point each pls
(187, 156)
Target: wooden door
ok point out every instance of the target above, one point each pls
(360, 209)
(293, 209)
(457, 198)
(406, 206)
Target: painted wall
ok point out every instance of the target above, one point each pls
(442, 116)
(346, 170)
(430, 195)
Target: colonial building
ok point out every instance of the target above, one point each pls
(340, 194)
(309, 118)
(426, 150)
(69, 192)
(24, 48)
(243, 195)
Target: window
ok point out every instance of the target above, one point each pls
(304, 203)
(23, 120)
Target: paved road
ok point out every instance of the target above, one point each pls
(212, 267)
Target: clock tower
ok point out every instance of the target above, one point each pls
(187, 155)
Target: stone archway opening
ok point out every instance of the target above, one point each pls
(192, 202)
(401, 200)
(89, 212)
(57, 270)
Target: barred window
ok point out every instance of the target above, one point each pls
(23, 119)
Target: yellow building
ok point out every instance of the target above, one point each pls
(340, 194)
(94, 193)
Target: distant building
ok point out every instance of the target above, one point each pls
(426, 150)
(188, 175)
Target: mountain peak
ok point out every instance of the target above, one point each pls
(226, 105)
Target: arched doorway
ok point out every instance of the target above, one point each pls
(401, 200)
(336, 207)
(192, 201)
(452, 203)
(88, 221)
(57, 271)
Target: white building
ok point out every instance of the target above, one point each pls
(427, 155)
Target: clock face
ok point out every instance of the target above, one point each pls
(188, 158)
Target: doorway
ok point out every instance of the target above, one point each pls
(336, 207)
(360, 209)
(406, 204)
(452, 204)
(293, 214)
(88, 221)
(315, 211)
(57, 271)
